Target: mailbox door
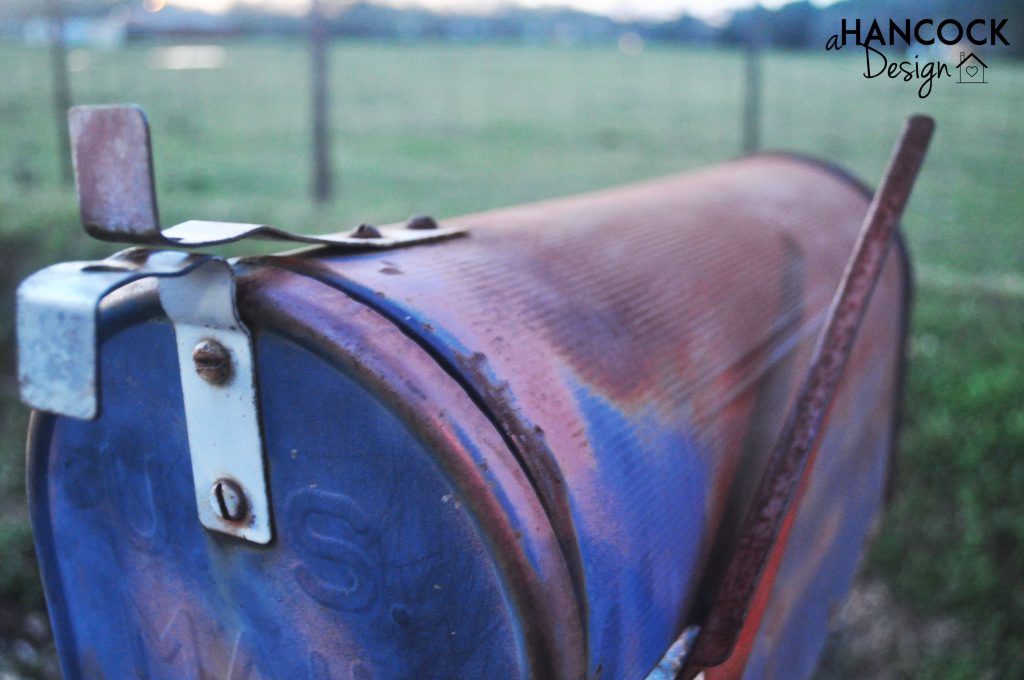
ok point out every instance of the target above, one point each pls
(407, 541)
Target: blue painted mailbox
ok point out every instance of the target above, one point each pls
(524, 443)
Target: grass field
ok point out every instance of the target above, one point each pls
(444, 129)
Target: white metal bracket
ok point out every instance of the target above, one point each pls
(218, 386)
(58, 367)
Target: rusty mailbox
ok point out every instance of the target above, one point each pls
(607, 436)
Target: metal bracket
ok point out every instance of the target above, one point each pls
(56, 325)
(58, 369)
(58, 307)
(113, 161)
(671, 665)
(218, 386)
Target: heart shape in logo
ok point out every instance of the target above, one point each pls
(972, 71)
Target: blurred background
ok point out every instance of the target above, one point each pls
(452, 106)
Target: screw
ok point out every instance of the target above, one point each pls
(421, 222)
(212, 362)
(366, 231)
(228, 500)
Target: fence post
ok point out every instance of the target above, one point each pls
(61, 88)
(322, 172)
(752, 81)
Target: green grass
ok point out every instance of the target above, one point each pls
(449, 129)
(954, 538)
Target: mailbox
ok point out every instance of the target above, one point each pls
(521, 443)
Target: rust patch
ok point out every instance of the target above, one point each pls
(538, 462)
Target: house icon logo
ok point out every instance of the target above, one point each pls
(971, 68)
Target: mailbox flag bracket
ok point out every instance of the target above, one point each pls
(58, 363)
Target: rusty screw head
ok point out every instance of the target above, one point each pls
(366, 231)
(212, 362)
(421, 222)
(228, 500)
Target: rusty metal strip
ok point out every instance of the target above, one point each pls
(789, 461)
(200, 233)
(113, 161)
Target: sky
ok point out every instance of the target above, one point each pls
(622, 9)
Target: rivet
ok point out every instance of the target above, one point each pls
(212, 362)
(421, 222)
(366, 231)
(228, 500)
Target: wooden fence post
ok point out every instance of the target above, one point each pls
(322, 171)
(61, 89)
(753, 82)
